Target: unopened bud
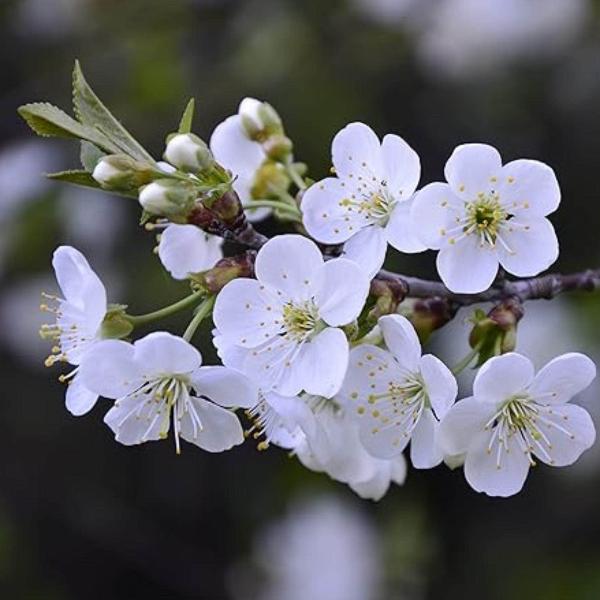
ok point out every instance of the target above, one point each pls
(278, 146)
(167, 197)
(269, 181)
(188, 152)
(259, 119)
(121, 172)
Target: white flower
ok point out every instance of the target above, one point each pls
(399, 396)
(368, 205)
(233, 149)
(286, 322)
(186, 249)
(514, 415)
(151, 381)
(79, 317)
(488, 214)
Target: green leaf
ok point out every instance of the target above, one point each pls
(90, 155)
(83, 178)
(90, 111)
(185, 125)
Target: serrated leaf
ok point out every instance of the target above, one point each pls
(185, 125)
(92, 112)
(90, 155)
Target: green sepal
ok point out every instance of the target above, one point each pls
(185, 125)
(116, 325)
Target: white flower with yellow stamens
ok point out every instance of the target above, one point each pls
(515, 415)
(284, 328)
(399, 396)
(488, 215)
(79, 316)
(151, 382)
(368, 204)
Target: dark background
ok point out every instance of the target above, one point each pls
(82, 516)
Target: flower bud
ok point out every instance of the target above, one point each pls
(269, 180)
(167, 197)
(277, 147)
(259, 119)
(121, 172)
(496, 333)
(188, 152)
(429, 314)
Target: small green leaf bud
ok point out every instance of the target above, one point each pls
(188, 152)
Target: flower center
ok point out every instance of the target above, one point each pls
(485, 216)
(375, 205)
(301, 319)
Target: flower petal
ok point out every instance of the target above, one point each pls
(485, 475)
(356, 152)
(79, 400)
(471, 170)
(161, 352)
(570, 431)
(218, 429)
(467, 267)
(325, 362)
(528, 188)
(529, 247)
(562, 378)
(185, 249)
(401, 231)
(462, 423)
(367, 249)
(440, 384)
(376, 486)
(433, 212)
(109, 369)
(225, 387)
(402, 341)
(247, 313)
(424, 450)
(342, 293)
(135, 421)
(401, 166)
(325, 217)
(503, 376)
(289, 263)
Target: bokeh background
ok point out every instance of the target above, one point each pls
(82, 516)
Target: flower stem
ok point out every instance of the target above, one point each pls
(300, 183)
(203, 311)
(466, 361)
(275, 204)
(187, 302)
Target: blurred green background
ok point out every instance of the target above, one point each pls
(82, 516)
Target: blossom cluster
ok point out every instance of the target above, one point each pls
(321, 351)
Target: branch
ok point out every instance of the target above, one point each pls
(534, 288)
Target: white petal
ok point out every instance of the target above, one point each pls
(562, 378)
(225, 387)
(401, 166)
(342, 293)
(502, 377)
(79, 400)
(325, 362)
(160, 352)
(185, 249)
(401, 231)
(109, 369)
(440, 384)
(376, 486)
(367, 249)
(570, 431)
(135, 421)
(356, 152)
(247, 313)
(529, 248)
(462, 423)
(433, 213)
(484, 475)
(531, 186)
(79, 284)
(233, 149)
(467, 267)
(398, 465)
(424, 450)
(219, 428)
(471, 169)
(289, 263)
(402, 341)
(324, 217)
